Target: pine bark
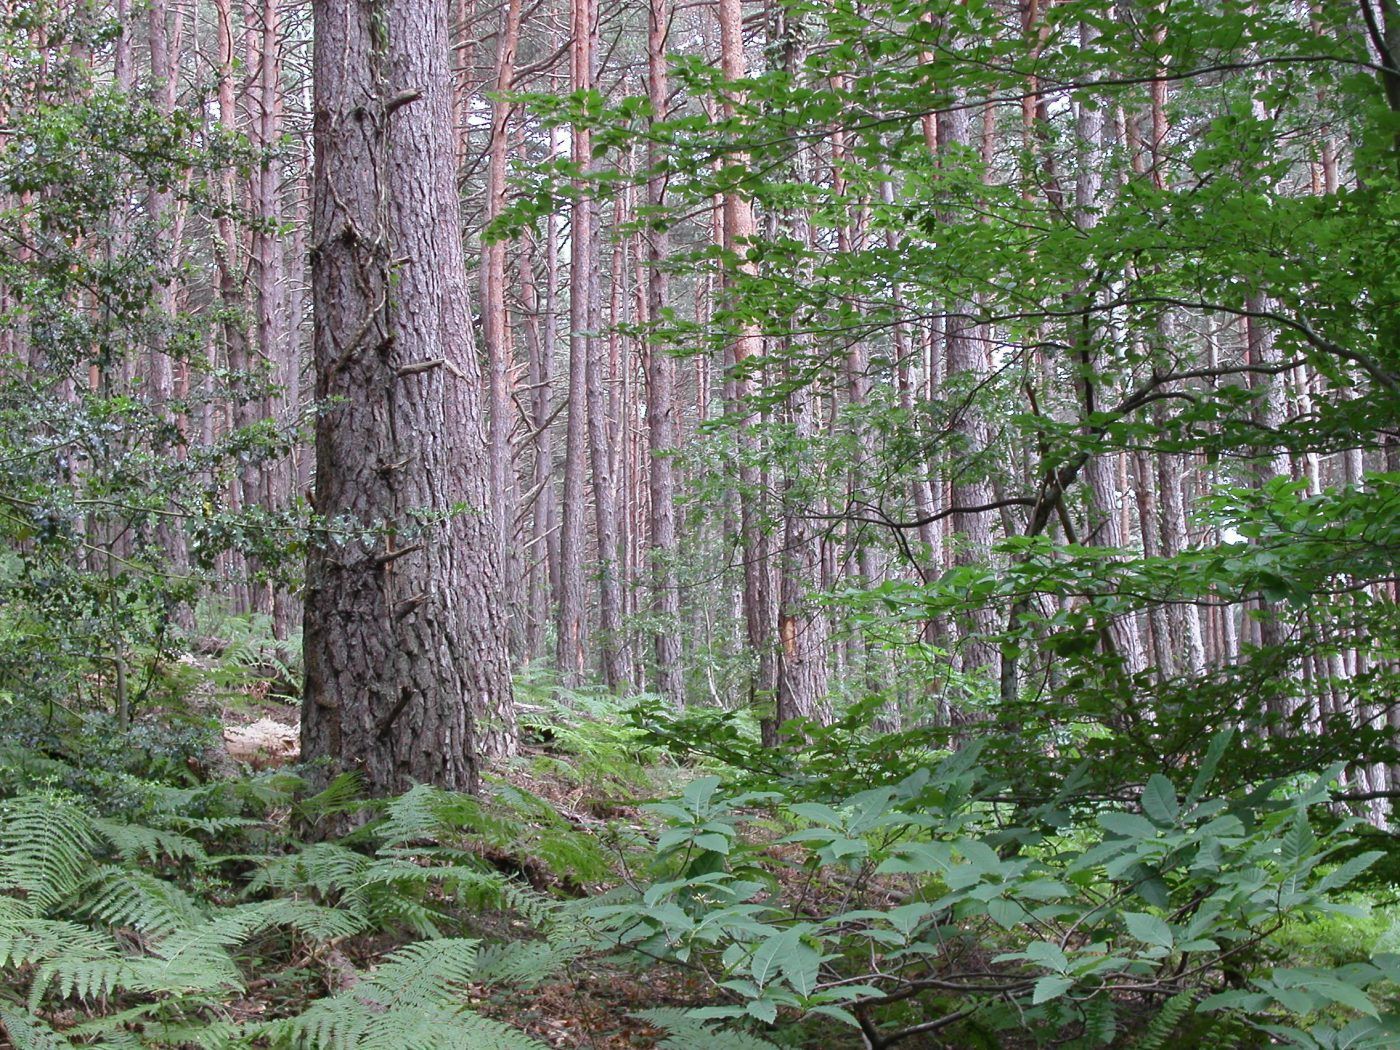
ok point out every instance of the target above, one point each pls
(495, 323)
(753, 542)
(572, 638)
(407, 673)
(662, 421)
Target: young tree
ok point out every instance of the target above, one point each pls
(407, 675)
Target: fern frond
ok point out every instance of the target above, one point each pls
(401, 872)
(469, 1031)
(409, 1002)
(424, 972)
(538, 909)
(118, 896)
(415, 816)
(325, 866)
(343, 794)
(27, 1032)
(46, 844)
(1169, 1017)
(316, 922)
(87, 978)
(27, 942)
(134, 841)
(689, 1033)
(524, 964)
(344, 1022)
(214, 827)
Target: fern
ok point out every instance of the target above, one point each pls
(408, 1002)
(122, 896)
(523, 964)
(128, 923)
(46, 846)
(135, 841)
(1168, 1019)
(27, 1032)
(690, 1033)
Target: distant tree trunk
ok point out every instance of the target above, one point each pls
(276, 347)
(495, 322)
(233, 328)
(542, 545)
(616, 657)
(967, 358)
(160, 366)
(572, 640)
(803, 626)
(1105, 524)
(407, 673)
(662, 424)
(738, 232)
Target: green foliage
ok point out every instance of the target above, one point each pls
(1037, 925)
(685, 1031)
(410, 1001)
(111, 507)
(146, 929)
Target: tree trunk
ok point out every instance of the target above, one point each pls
(572, 652)
(967, 359)
(662, 424)
(738, 232)
(495, 325)
(276, 346)
(407, 674)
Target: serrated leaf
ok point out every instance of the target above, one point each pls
(1129, 825)
(1148, 928)
(1159, 801)
(1005, 913)
(1050, 987)
(1219, 744)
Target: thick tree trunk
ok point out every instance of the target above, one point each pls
(407, 675)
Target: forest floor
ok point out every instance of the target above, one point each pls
(594, 1006)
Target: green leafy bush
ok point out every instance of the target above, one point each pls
(922, 907)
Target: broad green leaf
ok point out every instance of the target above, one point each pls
(1050, 987)
(1159, 801)
(1148, 928)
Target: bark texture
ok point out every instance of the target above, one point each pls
(407, 675)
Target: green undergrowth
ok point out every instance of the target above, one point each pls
(848, 897)
(160, 927)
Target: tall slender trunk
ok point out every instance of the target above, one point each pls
(663, 436)
(542, 545)
(745, 349)
(276, 347)
(1107, 497)
(572, 638)
(160, 365)
(495, 325)
(233, 328)
(967, 361)
(612, 642)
